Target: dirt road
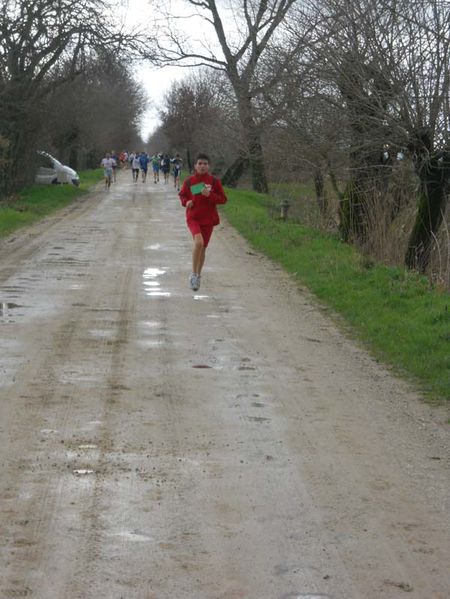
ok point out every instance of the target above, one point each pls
(228, 444)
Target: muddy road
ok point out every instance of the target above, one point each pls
(227, 444)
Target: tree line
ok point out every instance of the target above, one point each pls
(354, 94)
(65, 85)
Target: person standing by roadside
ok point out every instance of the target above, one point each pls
(135, 167)
(200, 195)
(108, 164)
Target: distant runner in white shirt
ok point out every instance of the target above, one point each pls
(135, 167)
(108, 163)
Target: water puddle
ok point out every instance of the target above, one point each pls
(134, 536)
(201, 297)
(5, 307)
(149, 344)
(87, 446)
(158, 293)
(104, 334)
(153, 324)
(93, 423)
(152, 273)
(154, 246)
(83, 471)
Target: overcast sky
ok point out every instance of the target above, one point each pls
(157, 82)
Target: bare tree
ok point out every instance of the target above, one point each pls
(101, 109)
(387, 63)
(196, 118)
(242, 43)
(37, 35)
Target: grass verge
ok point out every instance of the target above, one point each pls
(36, 201)
(394, 311)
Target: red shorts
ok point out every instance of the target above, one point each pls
(205, 230)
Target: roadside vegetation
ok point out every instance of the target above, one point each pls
(36, 201)
(396, 312)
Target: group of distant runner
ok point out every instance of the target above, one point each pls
(138, 162)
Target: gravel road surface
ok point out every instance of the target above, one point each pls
(227, 444)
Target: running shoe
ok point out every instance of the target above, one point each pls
(194, 281)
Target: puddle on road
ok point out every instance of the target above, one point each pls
(6, 306)
(87, 446)
(149, 344)
(83, 471)
(153, 324)
(150, 275)
(6, 312)
(201, 297)
(133, 536)
(158, 293)
(104, 334)
(154, 246)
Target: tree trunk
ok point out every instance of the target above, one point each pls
(351, 212)
(189, 160)
(319, 184)
(235, 171)
(434, 177)
(256, 158)
(252, 133)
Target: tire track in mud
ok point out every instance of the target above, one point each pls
(43, 385)
(88, 564)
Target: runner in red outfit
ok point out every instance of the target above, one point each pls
(200, 194)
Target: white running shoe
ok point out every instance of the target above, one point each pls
(194, 281)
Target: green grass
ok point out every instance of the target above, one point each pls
(36, 201)
(394, 311)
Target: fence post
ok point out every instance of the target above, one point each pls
(284, 209)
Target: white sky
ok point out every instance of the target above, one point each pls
(156, 83)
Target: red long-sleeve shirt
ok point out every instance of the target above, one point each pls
(204, 210)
